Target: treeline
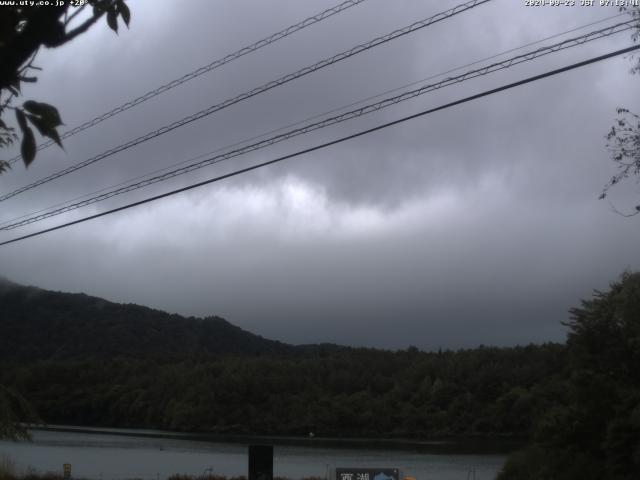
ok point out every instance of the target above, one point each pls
(346, 392)
(578, 404)
(82, 360)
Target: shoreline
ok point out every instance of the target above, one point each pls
(498, 445)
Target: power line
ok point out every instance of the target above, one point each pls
(299, 122)
(455, 69)
(263, 88)
(307, 22)
(333, 142)
(569, 43)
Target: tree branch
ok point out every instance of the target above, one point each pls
(626, 215)
(78, 30)
(41, 25)
(74, 14)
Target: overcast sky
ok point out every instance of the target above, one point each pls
(479, 224)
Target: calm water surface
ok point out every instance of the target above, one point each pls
(103, 456)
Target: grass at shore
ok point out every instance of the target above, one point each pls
(8, 471)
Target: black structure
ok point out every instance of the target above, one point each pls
(260, 462)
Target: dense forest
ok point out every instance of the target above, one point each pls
(592, 430)
(80, 360)
(345, 393)
(38, 324)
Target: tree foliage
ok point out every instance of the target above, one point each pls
(346, 393)
(593, 430)
(623, 140)
(84, 361)
(43, 325)
(579, 403)
(24, 29)
(14, 409)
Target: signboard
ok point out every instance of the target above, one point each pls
(367, 474)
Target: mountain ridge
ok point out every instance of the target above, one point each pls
(38, 324)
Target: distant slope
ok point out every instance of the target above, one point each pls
(82, 360)
(41, 324)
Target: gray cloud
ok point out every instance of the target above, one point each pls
(478, 224)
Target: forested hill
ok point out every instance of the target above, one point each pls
(38, 324)
(80, 360)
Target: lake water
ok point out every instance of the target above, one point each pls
(106, 456)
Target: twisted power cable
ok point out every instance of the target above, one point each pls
(525, 57)
(202, 70)
(263, 88)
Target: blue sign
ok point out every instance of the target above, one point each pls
(367, 474)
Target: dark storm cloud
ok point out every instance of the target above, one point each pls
(478, 224)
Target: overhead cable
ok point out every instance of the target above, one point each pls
(572, 42)
(308, 119)
(307, 22)
(263, 88)
(327, 144)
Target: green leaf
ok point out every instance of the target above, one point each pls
(28, 147)
(53, 135)
(112, 19)
(49, 113)
(45, 129)
(99, 8)
(22, 120)
(125, 13)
